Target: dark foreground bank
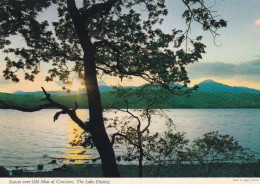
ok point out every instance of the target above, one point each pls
(217, 170)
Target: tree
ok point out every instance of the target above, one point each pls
(99, 37)
(132, 127)
(215, 148)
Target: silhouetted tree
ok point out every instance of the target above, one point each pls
(134, 127)
(215, 148)
(99, 37)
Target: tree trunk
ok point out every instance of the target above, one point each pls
(96, 122)
(141, 155)
(141, 162)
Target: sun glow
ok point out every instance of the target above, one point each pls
(257, 22)
(76, 154)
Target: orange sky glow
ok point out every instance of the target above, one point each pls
(257, 22)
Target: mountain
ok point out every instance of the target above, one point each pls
(102, 89)
(212, 86)
(58, 93)
(211, 94)
(205, 86)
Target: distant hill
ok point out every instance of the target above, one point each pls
(205, 86)
(40, 93)
(210, 95)
(212, 86)
(197, 99)
(102, 89)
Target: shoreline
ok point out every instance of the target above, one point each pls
(184, 170)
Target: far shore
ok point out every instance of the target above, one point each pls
(187, 170)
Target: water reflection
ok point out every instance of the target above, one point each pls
(77, 154)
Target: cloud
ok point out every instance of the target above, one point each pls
(257, 22)
(59, 83)
(102, 83)
(4, 82)
(247, 71)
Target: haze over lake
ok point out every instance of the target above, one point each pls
(29, 139)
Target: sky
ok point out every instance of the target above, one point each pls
(234, 60)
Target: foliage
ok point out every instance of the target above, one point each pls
(167, 149)
(125, 44)
(132, 132)
(3, 172)
(215, 148)
(98, 37)
(133, 129)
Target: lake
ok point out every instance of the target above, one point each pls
(29, 139)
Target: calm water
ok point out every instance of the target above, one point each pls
(29, 139)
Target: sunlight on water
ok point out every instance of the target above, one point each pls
(77, 154)
(29, 139)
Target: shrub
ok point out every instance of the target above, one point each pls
(214, 148)
(3, 172)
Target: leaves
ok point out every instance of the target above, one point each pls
(127, 43)
(217, 148)
(133, 128)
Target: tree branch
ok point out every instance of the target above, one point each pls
(121, 135)
(200, 21)
(65, 110)
(79, 26)
(121, 70)
(56, 116)
(148, 116)
(98, 8)
(25, 109)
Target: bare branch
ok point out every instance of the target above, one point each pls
(65, 110)
(76, 106)
(132, 115)
(148, 116)
(56, 116)
(25, 109)
(124, 136)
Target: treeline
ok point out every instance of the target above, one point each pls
(194, 100)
